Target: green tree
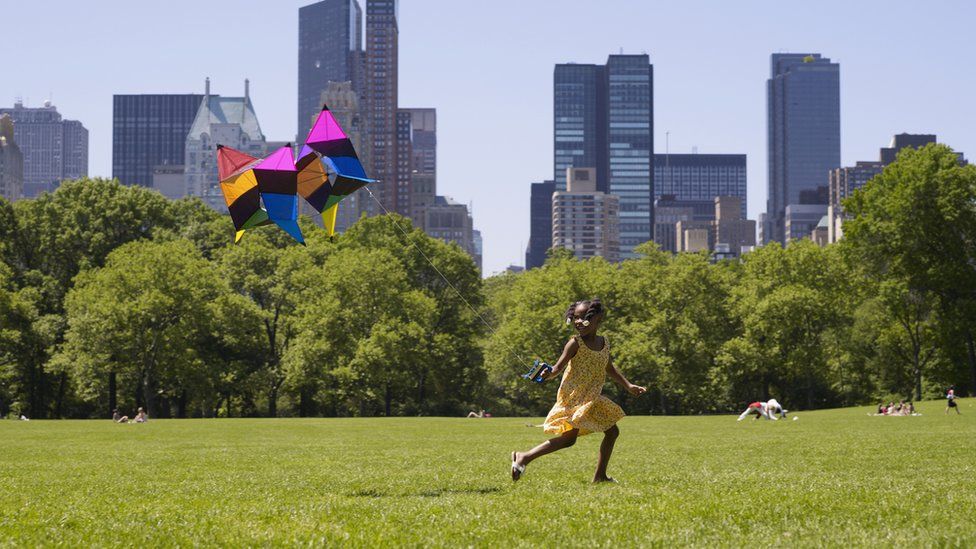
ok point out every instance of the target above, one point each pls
(916, 223)
(47, 241)
(788, 301)
(143, 316)
(272, 274)
(678, 320)
(451, 375)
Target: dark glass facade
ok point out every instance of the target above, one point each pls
(604, 119)
(149, 131)
(630, 107)
(330, 47)
(580, 125)
(701, 176)
(382, 35)
(803, 114)
(540, 224)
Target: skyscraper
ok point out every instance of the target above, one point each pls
(11, 162)
(700, 176)
(630, 117)
(53, 149)
(404, 159)
(381, 101)
(540, 223)
(330, 49)
(149, 131)
(604, 119)
(423, 161)
(803, 135)
(579, 121)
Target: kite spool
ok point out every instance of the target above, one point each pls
(538, 372)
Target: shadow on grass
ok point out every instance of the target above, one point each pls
(433, 493)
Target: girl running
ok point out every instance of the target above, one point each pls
(580, 409)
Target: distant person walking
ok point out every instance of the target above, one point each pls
(580, 407)
(951, 400)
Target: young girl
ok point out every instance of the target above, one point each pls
(951, 400)
(580, 408)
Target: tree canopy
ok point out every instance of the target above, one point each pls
(112, 296)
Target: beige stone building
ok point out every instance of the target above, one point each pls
(727, 235)
(730, 227)
(585, 220)
(11, 162)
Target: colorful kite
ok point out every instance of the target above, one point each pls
(247, 181)
(328, 146)
(276, 180)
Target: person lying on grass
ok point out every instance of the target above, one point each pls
(580, 407)
(902, 409)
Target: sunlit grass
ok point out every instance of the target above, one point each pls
(836, 477)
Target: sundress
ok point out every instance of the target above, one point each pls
(579, 404)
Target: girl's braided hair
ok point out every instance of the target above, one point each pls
(593, 308)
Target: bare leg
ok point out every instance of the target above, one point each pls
(564, 440)
(606, 448)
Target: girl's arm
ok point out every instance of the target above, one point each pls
(569, 351)
(619, 378)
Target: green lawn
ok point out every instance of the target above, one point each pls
(835, 477)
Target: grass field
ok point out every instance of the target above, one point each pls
(835, 477)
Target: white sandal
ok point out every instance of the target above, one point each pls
(517, 469)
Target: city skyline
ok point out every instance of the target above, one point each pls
(709, 89)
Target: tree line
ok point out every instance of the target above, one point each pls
(113, 296)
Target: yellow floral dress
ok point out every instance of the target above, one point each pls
(579, 404)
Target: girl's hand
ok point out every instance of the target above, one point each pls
(636, 390)
(551, 375)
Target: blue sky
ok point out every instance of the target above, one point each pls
(487, 68)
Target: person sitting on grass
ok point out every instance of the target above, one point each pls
(118, 418)
(477, 414)
(580, 407)
(141, 416)
(951, 400)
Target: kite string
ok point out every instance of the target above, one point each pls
(449, 283)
